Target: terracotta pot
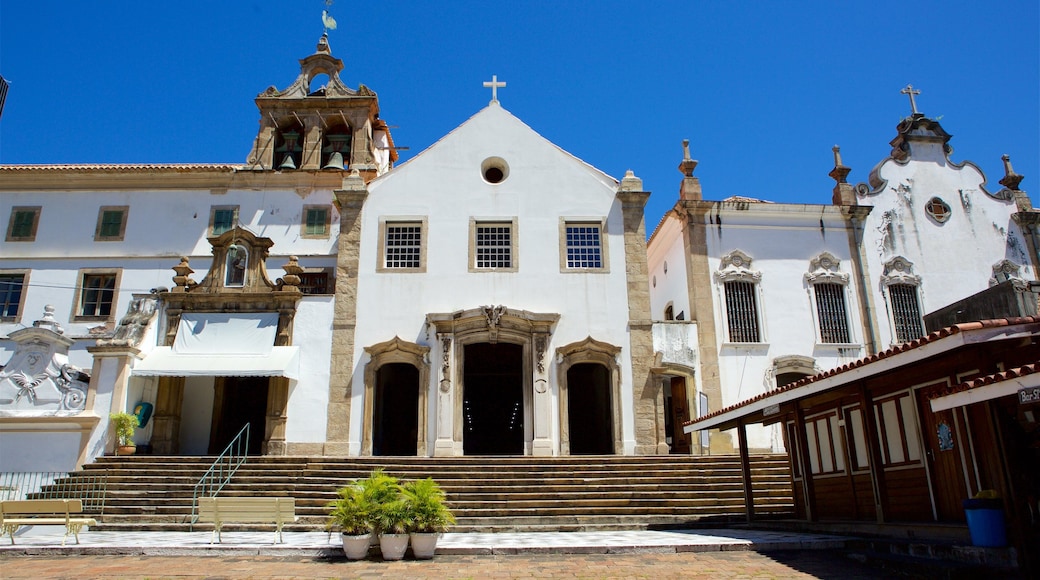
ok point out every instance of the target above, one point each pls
(393, 546)
(126, 450)
(424, 545)
(356, 547)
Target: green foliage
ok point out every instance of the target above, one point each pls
(352, 512)
(392, 517)
(124, 424)
(425, 501)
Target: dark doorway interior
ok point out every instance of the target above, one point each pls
(395, 412)
(493, 399)
(676, 414)
(239, 400)
(588, 410)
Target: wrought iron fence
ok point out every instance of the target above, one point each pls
(91, 488)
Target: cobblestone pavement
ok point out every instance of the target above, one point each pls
(659, 566)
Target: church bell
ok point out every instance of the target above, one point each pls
(288, 162)
(335, 161)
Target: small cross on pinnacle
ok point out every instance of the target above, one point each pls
(910, 90)
(494, 85)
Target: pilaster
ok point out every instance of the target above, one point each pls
(350, 201)
(648, 398)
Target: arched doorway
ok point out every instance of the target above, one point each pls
(590, 418)
(596, 400)
(493, 399)
(395, 410)
(396, 383)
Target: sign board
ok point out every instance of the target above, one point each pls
(770, 410)
(1029, 395)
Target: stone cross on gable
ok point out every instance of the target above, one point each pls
(910, 90)
(494, 85)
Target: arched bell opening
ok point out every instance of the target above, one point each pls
(335, 146)
(288, 146)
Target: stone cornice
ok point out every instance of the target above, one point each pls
(166, 177)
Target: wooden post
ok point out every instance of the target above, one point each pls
(808, 487)
(745, 470)
(877, 467)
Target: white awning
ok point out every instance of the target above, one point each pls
(280, 361)
(223, 345)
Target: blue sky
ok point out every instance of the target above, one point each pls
(763, 90)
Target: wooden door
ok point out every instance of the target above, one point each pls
(680, 415)
(942, 446)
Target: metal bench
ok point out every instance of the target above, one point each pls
(43, 512)
(246, 510)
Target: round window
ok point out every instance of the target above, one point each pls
(938, 209)
(494, 170)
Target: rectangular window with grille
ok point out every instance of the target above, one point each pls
(831, 313)
(11, 290)
(494, 246)
(906, 312)
(403, 246)
(97, 295)
(314, 283)
(742, 312)
(584, 246)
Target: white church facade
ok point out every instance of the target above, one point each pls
(776, 292)
(493, 296)
(487, 298)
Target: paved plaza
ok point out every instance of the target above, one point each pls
(715, 554)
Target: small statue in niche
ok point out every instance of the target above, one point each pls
(235, 274)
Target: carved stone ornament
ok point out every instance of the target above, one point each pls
(540, 343)
(38, 381)
(825, 269)
(899, 270)
(1005, 270)
(736, 267)
(134, 323)
(445, 384)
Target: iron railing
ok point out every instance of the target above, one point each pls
(90, 488)
(220, 472)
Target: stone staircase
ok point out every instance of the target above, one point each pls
(487, 494)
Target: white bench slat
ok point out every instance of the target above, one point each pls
(48, 511)
(223, 510)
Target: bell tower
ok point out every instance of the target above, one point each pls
(326, 128)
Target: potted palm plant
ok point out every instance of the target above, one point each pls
(429, 515)
(389, 516)
(124, 425)
(351, 512)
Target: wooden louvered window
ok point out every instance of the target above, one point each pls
(906, 312)
(742, 312)
(831, 313)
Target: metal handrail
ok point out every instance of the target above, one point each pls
(91, 488)
(220, 472)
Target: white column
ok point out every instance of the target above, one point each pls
(444, 444)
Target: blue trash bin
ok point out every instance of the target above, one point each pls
(986, 522)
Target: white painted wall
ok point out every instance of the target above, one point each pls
(307, 413)
(444, 184)
(955, 258)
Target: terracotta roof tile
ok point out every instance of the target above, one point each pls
(899, 348)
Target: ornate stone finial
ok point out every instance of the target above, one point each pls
(48, 320)
(292, 273)
(494, 85)
(630, 182)
(911, 91)
(1011, 179)
(840, 172)
(687, 165)
(183, 278)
